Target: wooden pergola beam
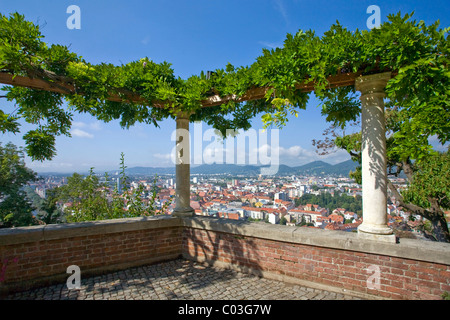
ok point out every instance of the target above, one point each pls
(63, 87)
(341, 80)
(66, 87)
(34, 83)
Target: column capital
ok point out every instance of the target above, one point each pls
(184, 115)
(372, 84)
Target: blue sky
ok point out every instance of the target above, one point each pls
(194, 36)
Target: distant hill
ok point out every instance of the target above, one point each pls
(149, 170)
(313, 168)
(323, 168)
(316, 168)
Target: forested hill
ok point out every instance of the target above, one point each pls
(313, 168)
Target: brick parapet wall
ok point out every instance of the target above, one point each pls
(332, 260)
(35, 256)
(407, 270)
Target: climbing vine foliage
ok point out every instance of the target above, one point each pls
(418, 55)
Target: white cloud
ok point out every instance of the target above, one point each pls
(279, 6)
(81, 133)
(79, 124)
(165, 158)
(296, 152)
(297, 155)
(263, 155)
(146, 40)
(80, 129)
(92, 126)
(271, 45)
(215, 154)
(291, 152)
(335, 157)
(49, 166)
(97, 126)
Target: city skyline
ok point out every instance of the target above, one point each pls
(194, 37)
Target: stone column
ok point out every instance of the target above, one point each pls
(374, 175)
(183, 168)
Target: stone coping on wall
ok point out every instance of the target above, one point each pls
(69, 230)
(428, 251)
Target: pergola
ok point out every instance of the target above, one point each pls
(374, 170)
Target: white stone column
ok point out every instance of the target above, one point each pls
(374, 175)
(183, 169)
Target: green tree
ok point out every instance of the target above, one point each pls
(15, 209)
(48, 211)
(95, 200)
(87, 196)
(330, 202)
(428, 193)
(427, 171)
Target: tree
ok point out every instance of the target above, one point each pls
(49, 212)
(304, 223)
(95, 200)
(428, 193)
(15, 209)
(427, 171)
(46, 210)
(330, 202)
(87, 196)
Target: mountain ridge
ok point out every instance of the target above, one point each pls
(313, 168)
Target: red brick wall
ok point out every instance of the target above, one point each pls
(399, 278)
(40, 256)
(36, 261)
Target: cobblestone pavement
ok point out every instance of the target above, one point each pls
(178, 280)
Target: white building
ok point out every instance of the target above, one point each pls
(274, 218)
(255, 214)
(280, 196)
(350, 216)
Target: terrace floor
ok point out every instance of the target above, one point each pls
(179, 280)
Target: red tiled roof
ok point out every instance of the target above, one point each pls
(304, 211)
(229, 215)
(269, 210)
(336, 218)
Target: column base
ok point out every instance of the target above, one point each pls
(183, 212)
(377, 233)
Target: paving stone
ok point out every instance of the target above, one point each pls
(311, 295)
(179, 279)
